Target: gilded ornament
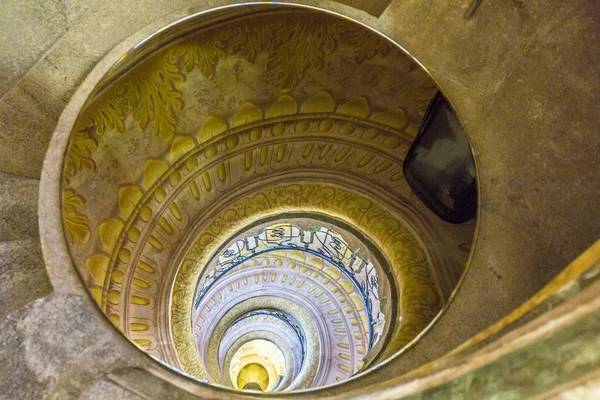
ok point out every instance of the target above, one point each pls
(80, 153)
(203, 55)
(76, 224)
(213, 126)
(109, 232)
(187, 180)
(180, 146)
(107, 111)
(251, 39)
(301, 44)
(420, 299)
(247, 114)
(150, 91)
(97, 265)
(128, 198)
(285, 105)
(367, 46)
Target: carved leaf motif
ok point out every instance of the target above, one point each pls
(249, 40)
(203, 55)
(395, 118)
(128, 199)
(180, 146)
(357, 107)
(150, 90)
(80, 154)
(299, 45)
(367, 45)
(107, 112)
(294, 45)
(76, 223)
(153, 169)
(152, 93)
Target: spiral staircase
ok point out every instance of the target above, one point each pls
(223, 212)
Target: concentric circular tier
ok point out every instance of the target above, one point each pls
(234, 199)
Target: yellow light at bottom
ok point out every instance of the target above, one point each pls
(253, 373)
(257, 353)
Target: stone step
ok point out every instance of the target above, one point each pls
(18, 207)
(104, 389)
(28, 116)
(23, 276)
(55, 348)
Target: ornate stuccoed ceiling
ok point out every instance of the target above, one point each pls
(234, 123)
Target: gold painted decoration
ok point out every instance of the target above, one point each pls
(129, 196)
(368, 46)
(357, 107)
(251, 39)
(80, 154)
(109, 232)
(247, 119)
(107, 112)
(213, 126)
(181, 145)
(154, 97)
(203, 55)
(300, 45)
(76, 223)
(420, 299)
(285, 105)
(321, 102)
(248, 113)
(151, 90)
(98, 266)
(153, 170)
(395, 117)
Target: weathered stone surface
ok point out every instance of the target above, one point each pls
(29, 29)
(103, 389)
(55, 347)
(18, 207)
(539, 197)
(38, 24)
(23, 277)
(373, 7)
(478, 53)
(532, 136)
(151, 387)
(545, 177)
(28, 116)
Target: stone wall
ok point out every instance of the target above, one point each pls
(523, 76)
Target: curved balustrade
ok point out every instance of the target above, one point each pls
(322, 242)
(223, 183)
(286, 319)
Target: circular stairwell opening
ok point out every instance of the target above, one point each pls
(269, 198)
